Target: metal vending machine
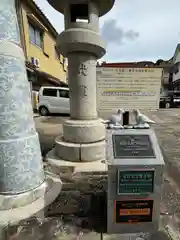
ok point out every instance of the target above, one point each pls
(135, 181)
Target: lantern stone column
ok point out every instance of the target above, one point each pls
(24, 190)
(84, 133)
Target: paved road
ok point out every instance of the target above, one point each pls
(167, 129)
(48, 128)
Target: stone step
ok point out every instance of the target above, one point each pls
(72, 172)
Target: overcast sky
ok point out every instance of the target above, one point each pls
(135, 30)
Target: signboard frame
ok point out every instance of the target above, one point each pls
(137, 218)
(119, 171)
(128, 87)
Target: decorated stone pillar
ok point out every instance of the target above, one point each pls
(83, 134)
(22, 180)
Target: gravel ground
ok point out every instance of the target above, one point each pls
(82, 219)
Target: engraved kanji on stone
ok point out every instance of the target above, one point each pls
(83, 91)
(83, 69)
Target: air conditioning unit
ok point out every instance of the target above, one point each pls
(35, 62)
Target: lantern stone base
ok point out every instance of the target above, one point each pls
(84, 131)
(59, 165)
(82, 141)
(76, 152)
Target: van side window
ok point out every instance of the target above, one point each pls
(50, 92)
(64, 93)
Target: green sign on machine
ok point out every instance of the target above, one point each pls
(135, 182)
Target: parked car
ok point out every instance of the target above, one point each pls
(176, 98)
(166, 100)
(53, 100)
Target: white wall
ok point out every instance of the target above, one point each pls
(177, 59)
(177, 75)
(177, 62)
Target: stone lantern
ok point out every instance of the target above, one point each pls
(84, 133)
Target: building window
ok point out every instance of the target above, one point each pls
(36, 35)
(61, 58)
(65, 64)
(57, 55)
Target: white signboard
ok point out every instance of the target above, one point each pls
(128, 88)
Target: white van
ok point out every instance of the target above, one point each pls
(53, 100)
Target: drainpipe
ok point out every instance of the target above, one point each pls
(18, 5)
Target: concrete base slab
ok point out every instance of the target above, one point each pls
(75, 167)
(15, 215)
(76, 152)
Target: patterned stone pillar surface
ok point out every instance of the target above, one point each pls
(21, 168)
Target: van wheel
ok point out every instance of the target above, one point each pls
(167, 105)
(43, 111)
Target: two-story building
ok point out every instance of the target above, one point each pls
(45, 66)
(167, 75)
(176, 69)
